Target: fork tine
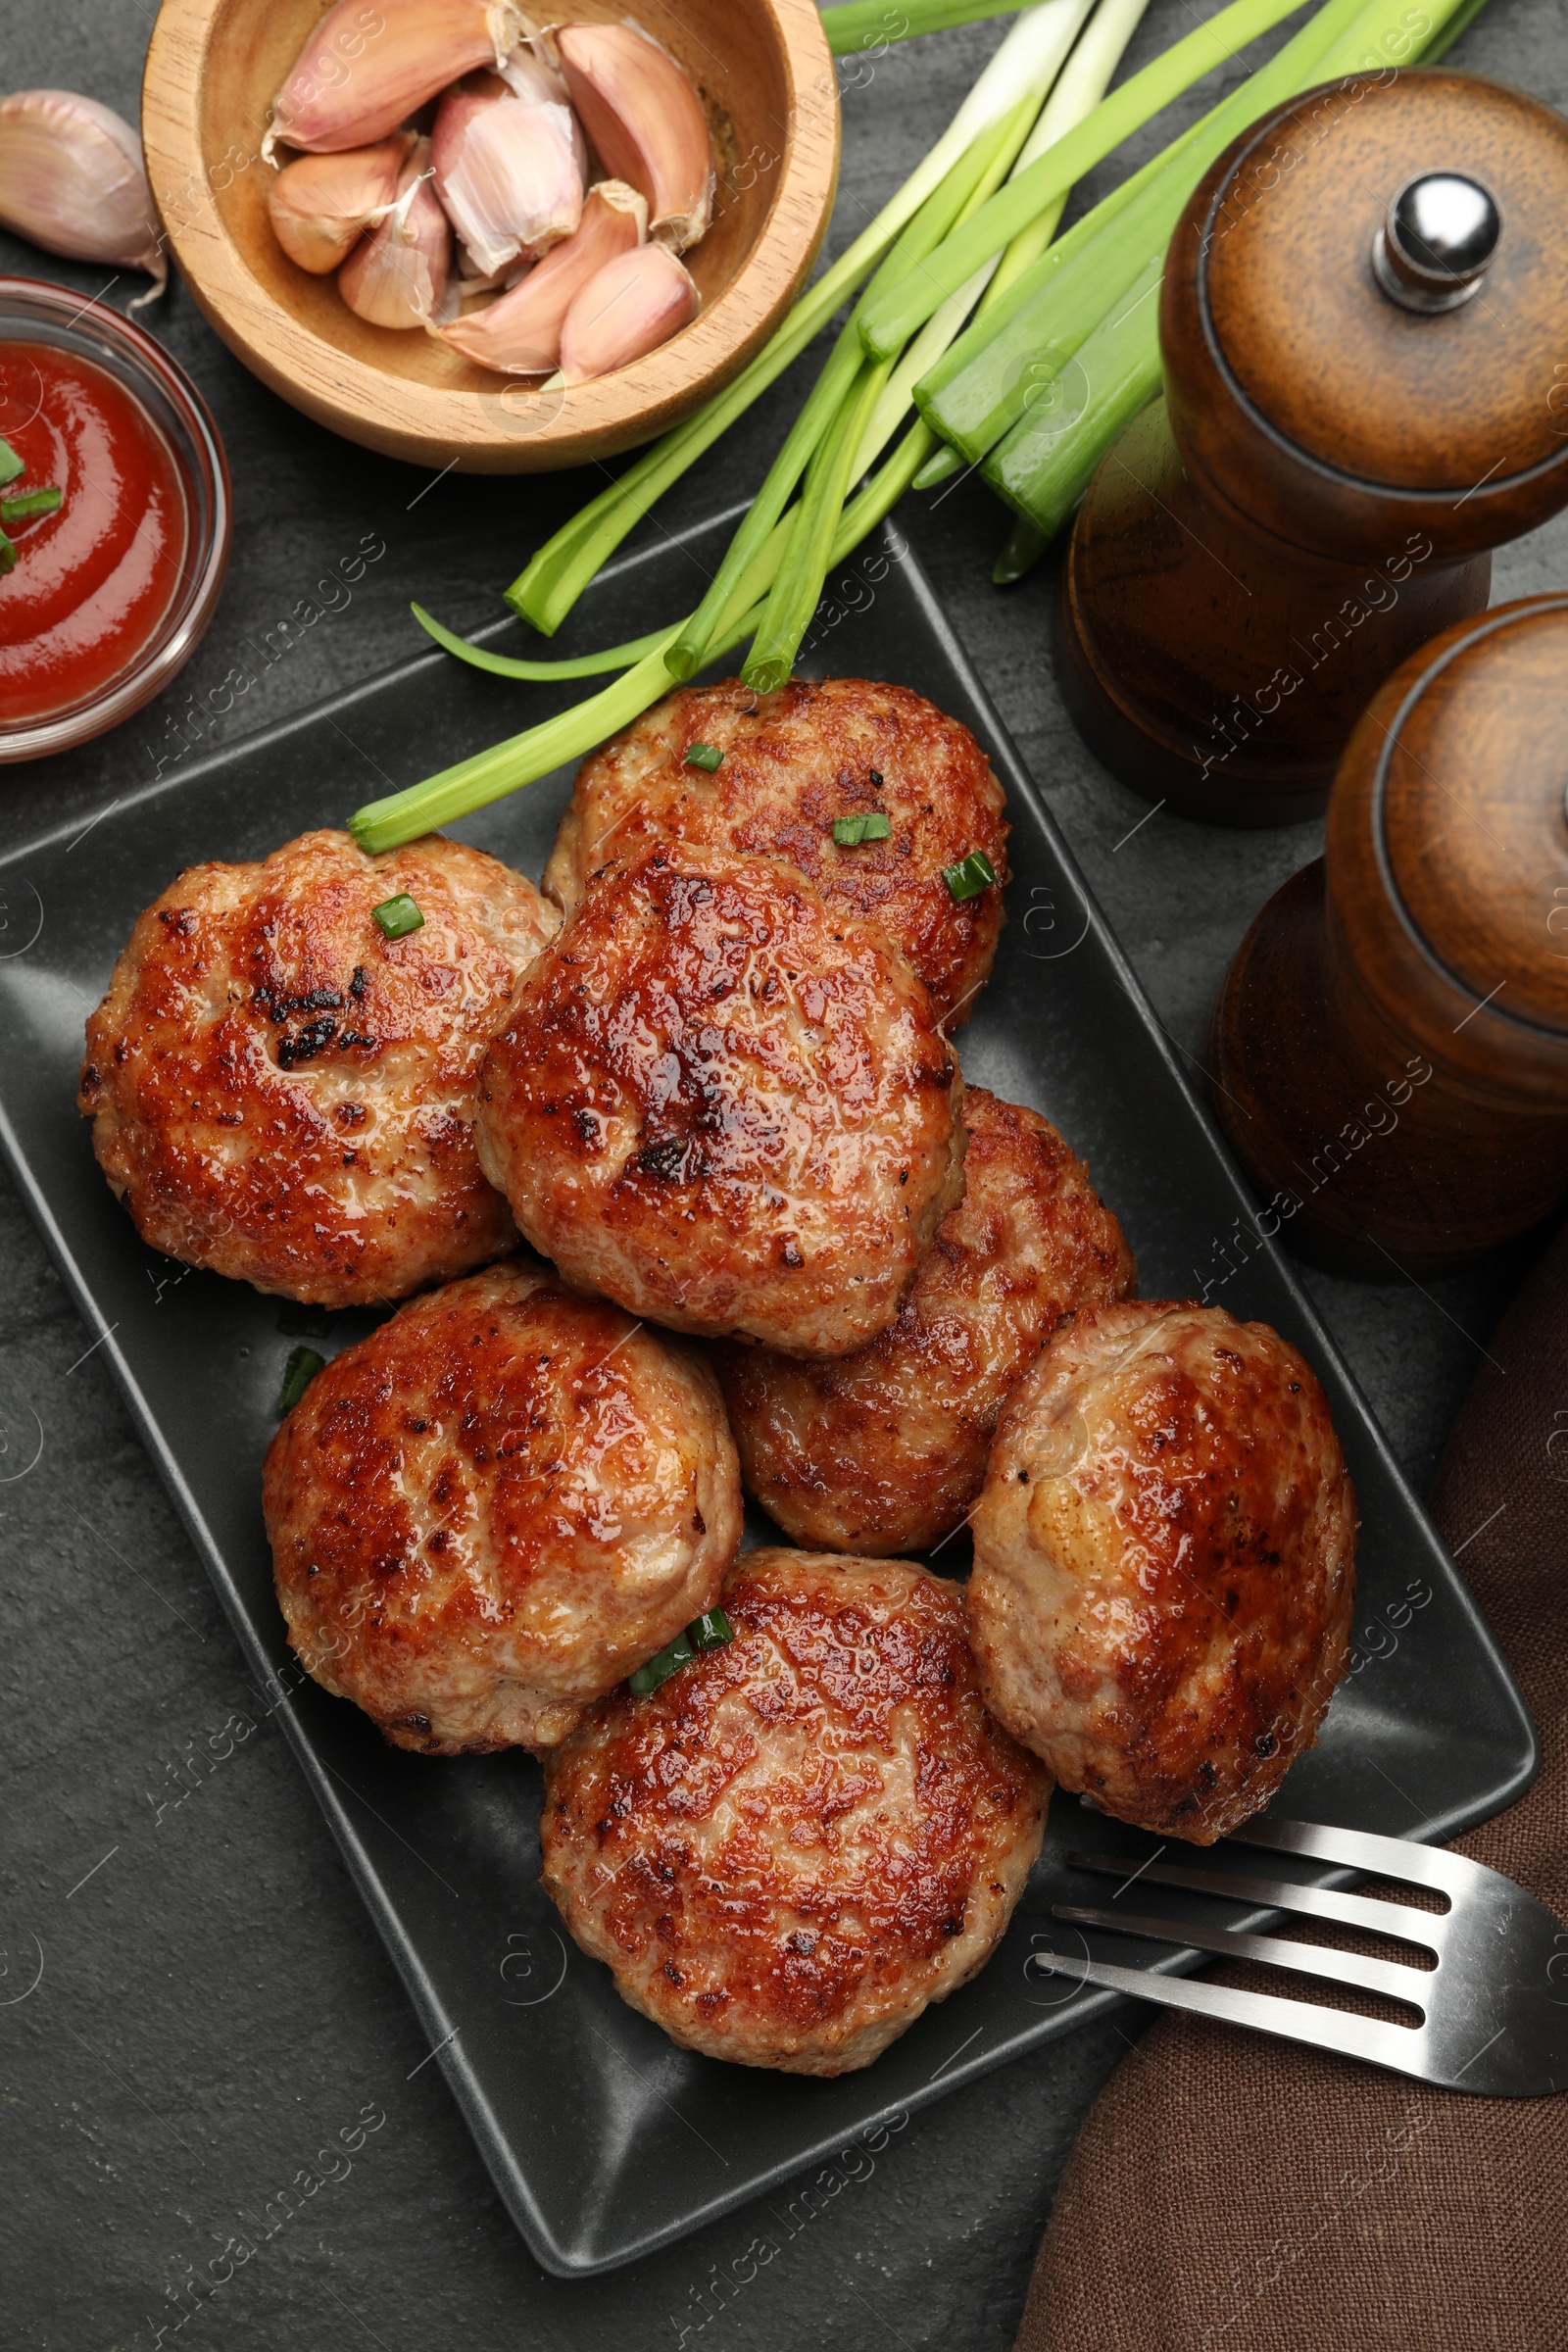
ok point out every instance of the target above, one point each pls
(1400, 2047)
(1423, 1928)
(1359, 1850)
(1389, 1976)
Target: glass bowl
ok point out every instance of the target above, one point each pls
(32, 310)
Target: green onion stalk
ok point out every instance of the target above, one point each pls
(491, 774)
(875, 25)
(929, 296)
(1029, 58)
(1043, 462)
(567, 563)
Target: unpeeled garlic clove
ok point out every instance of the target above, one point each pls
(645, 122)
(71, 179)
(319, 204)
(625, 310)
(521, 334)
(530, 72)
(507, 171)
(363, 70)
(396, 273)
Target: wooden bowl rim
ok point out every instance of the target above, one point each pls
(429, 423)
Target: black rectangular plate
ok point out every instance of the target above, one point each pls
(605, 2139)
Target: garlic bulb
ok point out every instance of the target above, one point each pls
(319, 204)
(505, 170)
(521, 333)
(71, 179)
(355, 80)
(396, 273)
(645, 122)
(624, 310)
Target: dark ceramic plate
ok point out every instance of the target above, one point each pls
(605, 2139)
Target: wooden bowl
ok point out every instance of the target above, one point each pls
(766, 79)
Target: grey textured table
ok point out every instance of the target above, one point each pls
(213, 2002)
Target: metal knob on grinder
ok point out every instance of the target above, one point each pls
(1357, 350)
(1438, 242)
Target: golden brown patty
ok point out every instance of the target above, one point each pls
(726, 1106)
(885, 1450)
(802, 1839)
(791, 762)
(495, 1506)
(1164, 1564)
(280, 1093)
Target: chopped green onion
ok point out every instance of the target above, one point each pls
(970, 876)
(30, 502)
(298, 1321)
(397, 918)
(710, 1631)
(704, 755)
(8, 554)
(869, 824)
(298, 1373)
(678, 1652)
(9, 463)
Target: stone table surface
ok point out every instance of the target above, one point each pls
(214, 2001)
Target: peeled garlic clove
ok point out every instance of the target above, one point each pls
(645, 122)
(396, 273)
(521, 334)
(505, 170)
(71, 179)
(625, 310)
(364, 70)
(320, 203)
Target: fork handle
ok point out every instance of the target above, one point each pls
(1398, 2047)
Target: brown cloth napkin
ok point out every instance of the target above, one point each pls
(1230, 2193)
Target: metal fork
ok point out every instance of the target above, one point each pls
(1494, 2010)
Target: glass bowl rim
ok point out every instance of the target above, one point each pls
(205, 483)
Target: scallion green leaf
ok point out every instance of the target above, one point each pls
(710, 1631)
(704, 755)
(298, 1373)
(678, 1652)
(29, 503)
(397, 918)
(8, 554)
(298, 1321)
(9, 463)
(868, 824)
(970, 876)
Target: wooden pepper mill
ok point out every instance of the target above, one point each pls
(1391, 1044)
(1366, 390)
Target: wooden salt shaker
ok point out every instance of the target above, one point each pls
(1366, 390)
(1391, 1045)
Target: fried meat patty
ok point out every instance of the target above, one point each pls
(726, 1106)
(885, 1450)
(490, 1510)
(1164, 1564)
(802, 1839)
(793, 761)
(280, 1093)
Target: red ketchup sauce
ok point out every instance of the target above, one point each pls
(91, 581)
